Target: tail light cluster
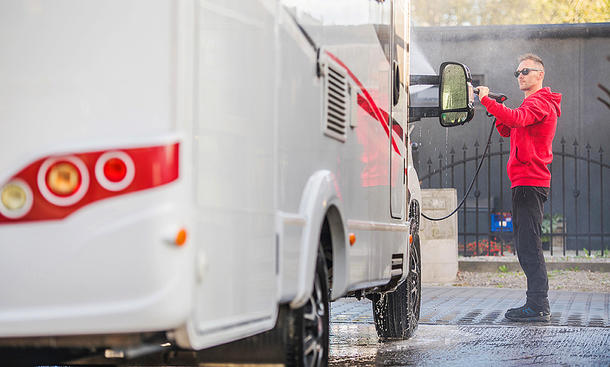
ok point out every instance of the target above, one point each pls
(55, 187)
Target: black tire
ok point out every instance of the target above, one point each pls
(396, 313)
(307, 339)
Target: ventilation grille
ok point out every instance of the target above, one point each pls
(336, 102)
(397, 260)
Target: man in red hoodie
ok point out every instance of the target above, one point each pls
(531, 128)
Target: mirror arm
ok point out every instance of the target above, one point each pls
(417, 113)
(421, 112)
(425, 80)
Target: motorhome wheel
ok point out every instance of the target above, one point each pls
(396, 313)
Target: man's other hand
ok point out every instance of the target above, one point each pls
(483, 91)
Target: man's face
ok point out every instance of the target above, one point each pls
(533, 79)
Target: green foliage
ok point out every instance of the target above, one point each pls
(594, 253)
(490, 12)
(546, 226)
(503, 269)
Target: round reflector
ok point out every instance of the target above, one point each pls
(13, 197)
(180, 237)
(114, 170)
(16, 199)
(63, 181)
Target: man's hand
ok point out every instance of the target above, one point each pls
(483, 91)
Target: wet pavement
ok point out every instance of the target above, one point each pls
(466, 326)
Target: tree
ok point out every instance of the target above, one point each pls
(489, 12)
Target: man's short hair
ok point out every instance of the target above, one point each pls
(532, 57)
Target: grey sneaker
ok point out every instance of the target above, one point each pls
(527, 314)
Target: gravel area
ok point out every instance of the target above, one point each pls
(578, 281)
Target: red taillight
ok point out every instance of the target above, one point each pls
(114, 170)
(62, 185)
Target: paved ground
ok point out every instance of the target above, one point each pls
(486, 306)
(466, 326)
(458, 327)
(450, 345)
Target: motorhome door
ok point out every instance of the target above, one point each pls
(398, 117)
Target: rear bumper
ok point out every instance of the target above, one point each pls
(108, 268)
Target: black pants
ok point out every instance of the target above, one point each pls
(528, 204)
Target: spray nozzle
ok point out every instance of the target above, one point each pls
(499, 97)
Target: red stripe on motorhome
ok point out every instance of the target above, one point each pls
(372, 106)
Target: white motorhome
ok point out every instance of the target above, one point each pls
(183, 174)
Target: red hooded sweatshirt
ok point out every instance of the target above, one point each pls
(531, 128)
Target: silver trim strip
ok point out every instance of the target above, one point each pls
(289, 218)
(376, 226)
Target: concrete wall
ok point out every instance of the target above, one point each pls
(575, 58)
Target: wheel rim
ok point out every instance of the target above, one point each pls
(314, 316)
(414, 283)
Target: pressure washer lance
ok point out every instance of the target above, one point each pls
(500, 98)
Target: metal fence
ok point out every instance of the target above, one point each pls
(574, 213)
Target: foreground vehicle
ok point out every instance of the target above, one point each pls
(183, 174)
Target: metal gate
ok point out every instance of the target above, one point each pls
(574, 216)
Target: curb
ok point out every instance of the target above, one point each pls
(492, 266)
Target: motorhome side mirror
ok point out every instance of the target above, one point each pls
(456, 96)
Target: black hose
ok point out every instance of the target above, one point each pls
(473, 179)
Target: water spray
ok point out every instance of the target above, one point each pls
(500, 98)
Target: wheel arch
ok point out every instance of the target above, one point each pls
(321, 205)
(334, 244)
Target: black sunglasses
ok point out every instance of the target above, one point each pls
(525, 71)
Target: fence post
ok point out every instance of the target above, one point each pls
(501, 140)
(488, 200)
(588, 147)
(477, 193)
(551, 208)
(601, 195)
(464, 149)
(440, 170)
(576, 193)
(563, 193)
(452, 152)
(429, 163)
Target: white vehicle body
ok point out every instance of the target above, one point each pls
(235, 99)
